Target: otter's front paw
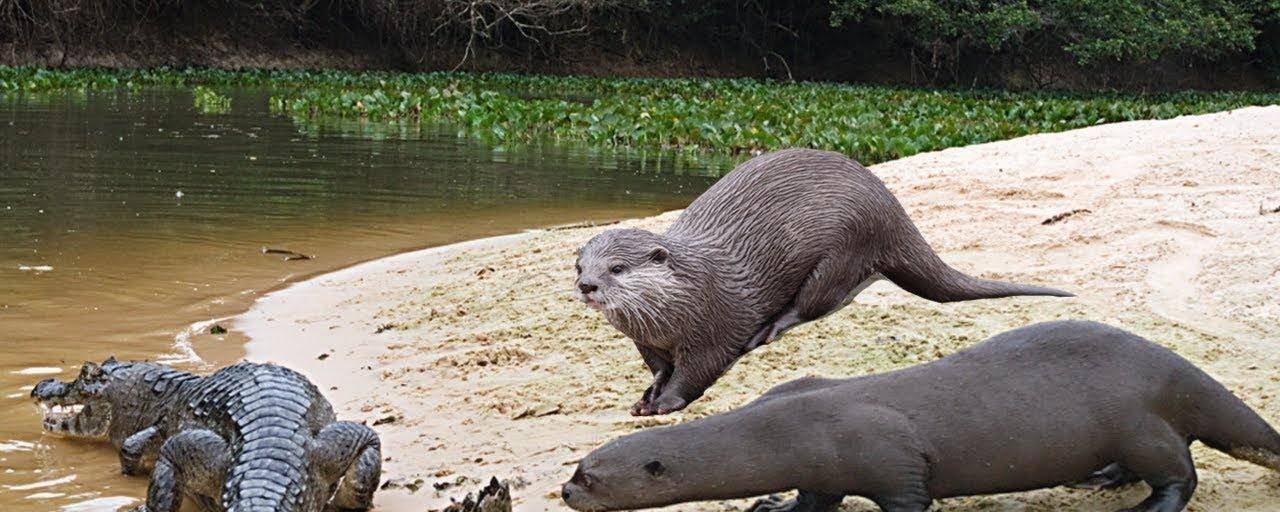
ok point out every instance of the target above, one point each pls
(667, 404)
(645, 406)
(642, 407)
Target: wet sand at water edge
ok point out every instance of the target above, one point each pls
(476, 360)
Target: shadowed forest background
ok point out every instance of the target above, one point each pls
(1025, 44)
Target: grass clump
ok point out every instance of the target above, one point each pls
(870, 123)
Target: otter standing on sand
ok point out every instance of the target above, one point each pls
(786, 238)
(1035, 407)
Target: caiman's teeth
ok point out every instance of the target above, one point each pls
(59, 409)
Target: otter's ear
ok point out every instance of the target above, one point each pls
(655, 468)
(659, 255)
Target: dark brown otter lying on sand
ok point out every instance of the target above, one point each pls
(786, 238)
(1041, 406)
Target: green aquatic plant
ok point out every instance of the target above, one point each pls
(208, 101)
(869, 123)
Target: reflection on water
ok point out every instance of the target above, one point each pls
(126, 217)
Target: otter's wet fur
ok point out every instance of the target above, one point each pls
(785, 238)
(1044, 405)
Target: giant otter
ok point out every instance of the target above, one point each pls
(1035, 407)
(786, 238)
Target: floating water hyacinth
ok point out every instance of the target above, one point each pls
(869, 123)
(207, 101)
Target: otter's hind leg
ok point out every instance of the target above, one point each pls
(831, 285)
(1163, 460)
(804, 501)
(1110, 477)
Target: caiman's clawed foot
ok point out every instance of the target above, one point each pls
(350, 454)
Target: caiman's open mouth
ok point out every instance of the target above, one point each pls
(64, 415)
(76, 420)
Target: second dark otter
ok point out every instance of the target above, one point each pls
(786, 238)
(1035, 407)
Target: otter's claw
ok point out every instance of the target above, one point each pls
(645, 407)
(641, 408)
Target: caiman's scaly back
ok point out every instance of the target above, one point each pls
(250, 437)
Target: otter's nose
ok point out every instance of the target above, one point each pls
(564, 493)
(587, 288)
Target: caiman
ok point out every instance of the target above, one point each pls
(247, 438)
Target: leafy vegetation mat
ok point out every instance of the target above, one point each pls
(870, 123)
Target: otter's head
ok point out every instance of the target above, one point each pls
(632, 472)
(80, 408)
(625, 271)
(738, 454)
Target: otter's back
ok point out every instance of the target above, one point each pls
(1055, 384)
(781, 212)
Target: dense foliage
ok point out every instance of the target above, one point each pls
(872, 124)
(1090, 30)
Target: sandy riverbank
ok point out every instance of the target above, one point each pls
(477, 360)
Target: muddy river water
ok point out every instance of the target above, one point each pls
(125, 217)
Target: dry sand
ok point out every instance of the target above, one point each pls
(484, 363)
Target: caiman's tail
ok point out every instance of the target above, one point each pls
(915, 267)
(1225, 423)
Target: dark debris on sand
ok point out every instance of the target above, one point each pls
(495, 497)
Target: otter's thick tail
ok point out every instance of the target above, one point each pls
(915, 267)
(1227, 424)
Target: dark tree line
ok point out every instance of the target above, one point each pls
(1019, 43)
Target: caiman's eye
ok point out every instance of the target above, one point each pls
(617, 269)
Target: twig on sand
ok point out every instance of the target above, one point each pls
(288, 255)
(1059, 217)
(581, 225)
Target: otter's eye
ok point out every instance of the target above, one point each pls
(616, 269)
(578, 268)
